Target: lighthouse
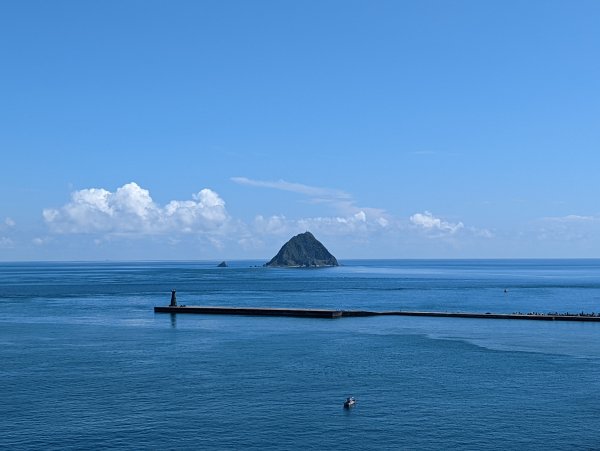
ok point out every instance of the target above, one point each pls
(173, 299)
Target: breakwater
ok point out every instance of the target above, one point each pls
(325, 313)
(250, 311)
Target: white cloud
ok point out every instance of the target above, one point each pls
(130, 209)
(312, 191)
(567, 228)
(353, 220)
(107, 217)
(274, 225)
(383, 222)
(429, 222)
(571, 219)
(361, 216)
(359, 223)
(483, 233)
(340, 200)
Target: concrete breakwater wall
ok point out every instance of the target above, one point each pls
(250, 311)
(325, 313)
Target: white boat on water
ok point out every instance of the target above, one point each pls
(349, 402)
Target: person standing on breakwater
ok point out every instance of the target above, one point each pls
(173, 298)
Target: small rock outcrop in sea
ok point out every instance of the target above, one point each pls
(303, 251)
(223, 264)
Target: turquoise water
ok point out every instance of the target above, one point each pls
(85, 363)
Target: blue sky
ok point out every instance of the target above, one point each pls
(217, 130)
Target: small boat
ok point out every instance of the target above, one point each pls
(349, 402)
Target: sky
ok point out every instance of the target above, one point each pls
(216, 130)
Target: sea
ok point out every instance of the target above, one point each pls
(85, 363)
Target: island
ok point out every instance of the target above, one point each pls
(223, 264)
(303, 251)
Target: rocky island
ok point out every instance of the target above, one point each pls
(303, 251)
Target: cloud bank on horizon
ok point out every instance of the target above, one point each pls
(201, 226)
(130, 212)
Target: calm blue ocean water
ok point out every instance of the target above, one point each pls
(86, 364)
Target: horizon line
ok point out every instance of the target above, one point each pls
(267, 259)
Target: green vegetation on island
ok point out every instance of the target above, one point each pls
(303, 251)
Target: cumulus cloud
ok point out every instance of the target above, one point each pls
(350, 218)
(106, 216)
(358, 223)
(131, 209)
(383, 222)
(428, 222)
(360, 216)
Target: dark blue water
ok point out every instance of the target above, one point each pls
(85, 363)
